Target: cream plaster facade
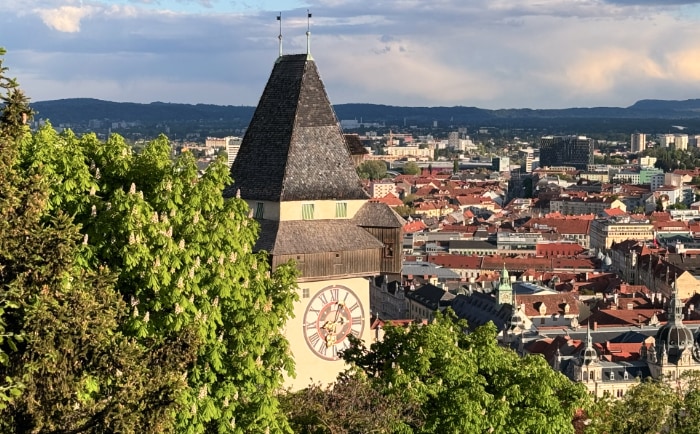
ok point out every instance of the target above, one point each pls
(604, 233)
(287, 211)
(309, 367)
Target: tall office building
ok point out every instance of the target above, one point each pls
(453, 140)
(233, 144)
(680, 141)
(500, 164)
(694, 141)
(638, 142)
(576, 151)
(665, 140)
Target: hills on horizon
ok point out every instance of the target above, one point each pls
(647, 113)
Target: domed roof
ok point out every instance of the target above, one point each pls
(674, 335)
(588, 355)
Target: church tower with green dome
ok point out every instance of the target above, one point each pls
(505, 289)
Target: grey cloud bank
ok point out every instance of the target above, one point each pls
(489, 54)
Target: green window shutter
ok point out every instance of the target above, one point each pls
(307, 211)
(259, 209)
(341, 209)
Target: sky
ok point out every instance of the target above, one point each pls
(493, 54)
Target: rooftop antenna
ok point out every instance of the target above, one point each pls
(279, 18)
(308, 36)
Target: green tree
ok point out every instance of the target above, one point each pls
(351, 405)
(467, 382)
(14, 110)
(411, 168)
(184, 263)
(686, 417)
(404, 210)
(372, 170)
(65, 365)
(409, 199)
(649, 407)
(659, 204)
(679, 205)
(646, 408)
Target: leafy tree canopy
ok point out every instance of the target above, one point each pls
(372, 170)
(131, 309)
(183, 261)
(651, 406)
(447, 381)
(411, 168)
(65, 364)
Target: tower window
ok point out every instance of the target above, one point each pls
(341, 209)
(259, 210)
(307, 211)
(389, 250)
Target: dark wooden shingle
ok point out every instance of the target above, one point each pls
(294, 149)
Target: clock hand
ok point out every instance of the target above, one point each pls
(339, 305)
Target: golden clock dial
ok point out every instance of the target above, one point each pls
(331, 315)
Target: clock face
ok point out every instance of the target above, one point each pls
(332, 314)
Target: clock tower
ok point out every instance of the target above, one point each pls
(296, 173)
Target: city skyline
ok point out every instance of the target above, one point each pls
(495, 54)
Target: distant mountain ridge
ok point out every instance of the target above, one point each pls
(80, 110)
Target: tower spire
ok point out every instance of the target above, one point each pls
(589, 340)
(308, 35)
(675, 307)
(589, 354)
(279, 18)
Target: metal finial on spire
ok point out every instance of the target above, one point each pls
(308, 35)
(279, 18)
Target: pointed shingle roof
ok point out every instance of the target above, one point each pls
(293, 149)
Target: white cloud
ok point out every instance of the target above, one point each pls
(65, 18)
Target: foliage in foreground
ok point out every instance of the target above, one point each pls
(65, 365)
(650, 407)
(130, 299)
(437, 379)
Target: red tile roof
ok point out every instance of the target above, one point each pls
(614, 212)
(414, 226)
(456, 261)
(554, 304)
(670, 225)
(390, 199)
